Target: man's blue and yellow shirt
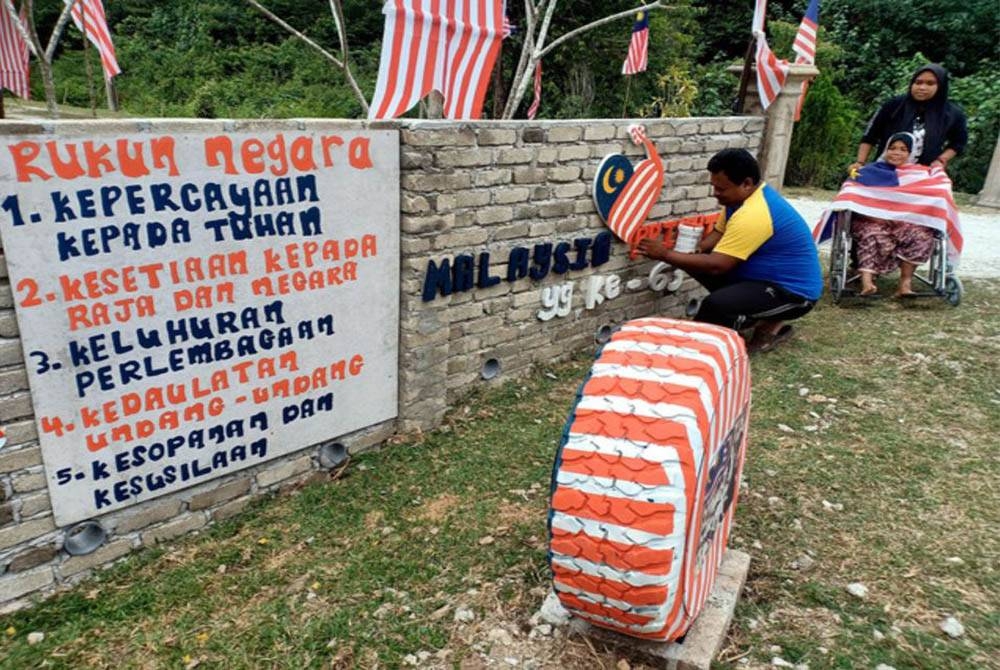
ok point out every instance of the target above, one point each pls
(774, 243)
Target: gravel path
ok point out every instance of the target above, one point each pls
(980, 228)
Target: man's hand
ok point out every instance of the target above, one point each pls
(653, 248)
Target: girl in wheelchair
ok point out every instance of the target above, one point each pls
(883, 245)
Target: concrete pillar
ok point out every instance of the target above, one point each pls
(779, 124)
(990, 195)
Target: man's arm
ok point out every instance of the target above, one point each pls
(711, 263)
(709, 241)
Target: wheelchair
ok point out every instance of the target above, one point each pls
(939, 277)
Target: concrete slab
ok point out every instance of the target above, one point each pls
(705, 637)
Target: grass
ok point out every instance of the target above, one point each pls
(887, 412)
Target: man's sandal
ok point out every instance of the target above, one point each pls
(764, 342)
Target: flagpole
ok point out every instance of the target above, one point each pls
(744, 79)
(628, 87)
(86, 60)
(111, 92)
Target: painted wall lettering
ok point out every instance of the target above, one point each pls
(192, 304)
(466, 271)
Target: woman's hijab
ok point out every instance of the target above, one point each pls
(906, 138)
(926, 118)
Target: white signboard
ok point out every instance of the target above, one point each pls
(193, 303)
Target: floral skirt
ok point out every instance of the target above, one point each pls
(881, 244)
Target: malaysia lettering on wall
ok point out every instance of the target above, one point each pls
(193, 303)
(465, 271)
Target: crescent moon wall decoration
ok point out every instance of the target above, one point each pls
(624, 195)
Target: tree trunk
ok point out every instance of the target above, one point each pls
(50, 88)
(990, 195)
(30, 35)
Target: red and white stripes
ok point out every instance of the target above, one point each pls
(647, 476)
(630, 210)
(771, 73)
(445, 45)
(88, 15)
(638, 48)
(923, 197)
(13, 56)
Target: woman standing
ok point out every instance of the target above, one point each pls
(938, 126)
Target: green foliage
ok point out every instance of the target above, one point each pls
(717, 89)
(826, 135)
(582, 77)
(824, 138)
(221, 59)
(675, 96)
(979, 95)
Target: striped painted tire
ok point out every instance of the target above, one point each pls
(645, 480)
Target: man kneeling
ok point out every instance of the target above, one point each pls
(760, 264)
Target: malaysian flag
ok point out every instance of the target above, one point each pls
(538, 91)
(805, 47)
(913, 193)
(771, 73)
(13, 56)
(638, 47)
(759, 9)
(448, 46)
(88, 15)
(624, 195)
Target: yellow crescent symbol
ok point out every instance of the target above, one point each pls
(638, 17)
(608, 188)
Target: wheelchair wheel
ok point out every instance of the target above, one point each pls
(953, 290)
(836, 286)
(838, 264)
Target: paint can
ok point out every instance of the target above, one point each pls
(688, 238)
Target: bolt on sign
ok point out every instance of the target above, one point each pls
(194, 302)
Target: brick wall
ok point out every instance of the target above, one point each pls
(494, 186)
(465, 189)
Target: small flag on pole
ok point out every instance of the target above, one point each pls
(771, 73)
(805, 47)
(538, 91)
(88, 15)
(805, 38)
(638, 47)
(13, 56)
(759, 10)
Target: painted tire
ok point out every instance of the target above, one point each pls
(646, 477)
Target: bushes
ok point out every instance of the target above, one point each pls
(825, 138)
(979, 96)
